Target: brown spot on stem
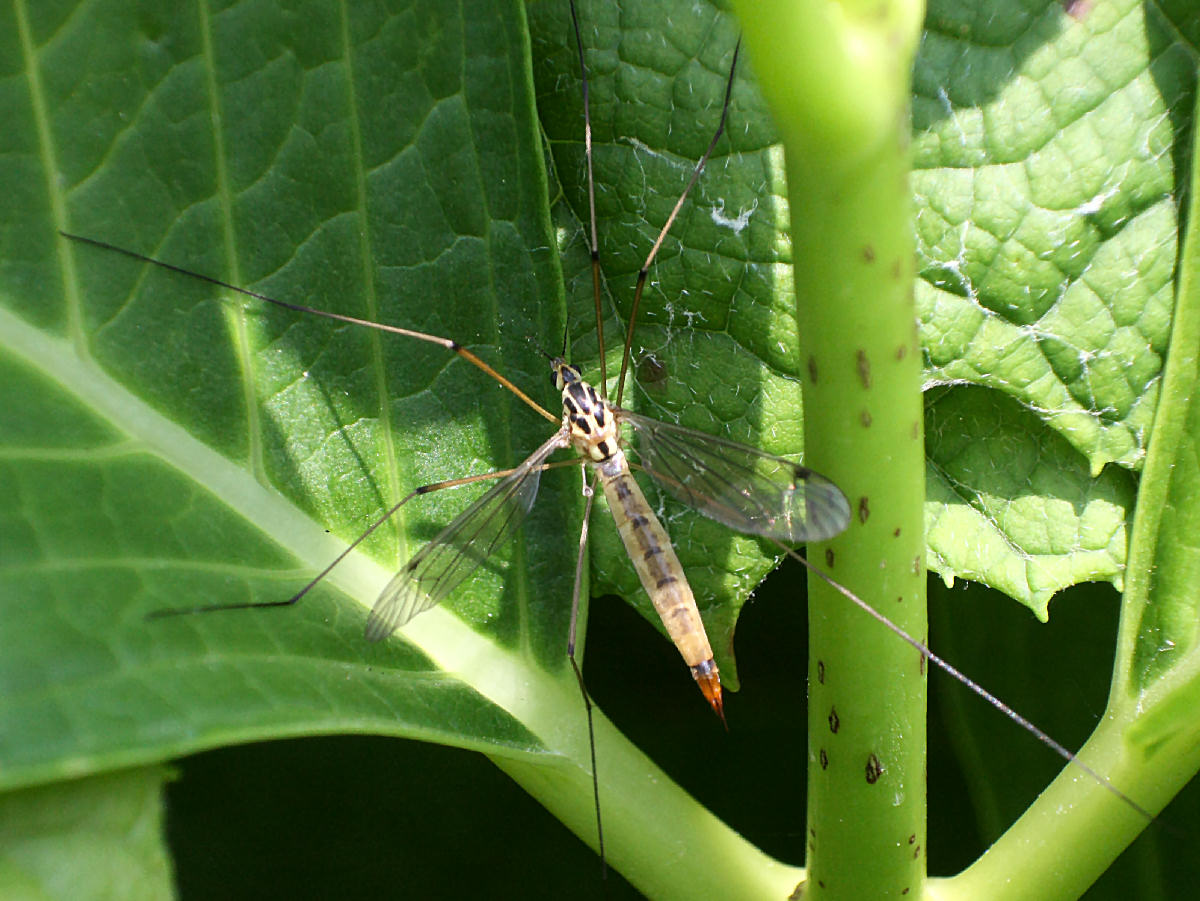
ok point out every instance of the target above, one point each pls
(834, 722)
(864, 367)
(864, 509)
(874, 769)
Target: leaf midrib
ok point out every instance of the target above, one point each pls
(505, 677)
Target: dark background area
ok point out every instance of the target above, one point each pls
(364, 817)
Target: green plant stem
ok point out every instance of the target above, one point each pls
(837, 77)
(1076, 828)
(658, 837)
(1161, 572)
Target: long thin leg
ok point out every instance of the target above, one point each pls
(351, 320)
(590, 492)
(644, 271)
(593, 239)
(416, 492)
(951, 670)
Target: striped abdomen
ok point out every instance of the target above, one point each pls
(662, 575)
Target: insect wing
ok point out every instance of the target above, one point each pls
(743, 488)
(470, 538)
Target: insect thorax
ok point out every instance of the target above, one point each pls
(587, 415)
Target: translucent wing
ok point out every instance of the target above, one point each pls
(744, 488)
(470, 538)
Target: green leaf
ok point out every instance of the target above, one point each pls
(1145, 742)
(186, 449)
(1018, 511)
(1046, 230)
(88, 838)
(1046, 237)
(171, 445)
(166, 444)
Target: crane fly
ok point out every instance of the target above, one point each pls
(746, 489)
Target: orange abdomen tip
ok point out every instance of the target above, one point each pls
(709, 680)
